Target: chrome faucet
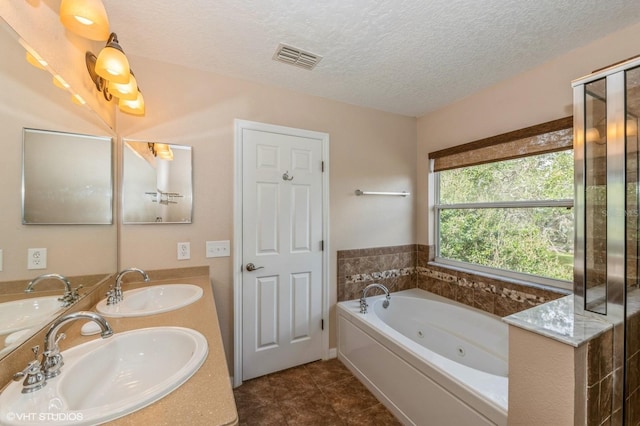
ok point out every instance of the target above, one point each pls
(33, 376)
(363, 299)
(52, 358)
(70, 295)
(114, 295)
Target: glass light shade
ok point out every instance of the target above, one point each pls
(36, 62)
(60, 83)
(593, 135)
(112, 65)
(135, 107)
(632, 127)
(128, 91)
(87, 18)
(163, 151)
(78, 100)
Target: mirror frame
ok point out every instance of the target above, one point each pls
(187, 195)
(107, 208)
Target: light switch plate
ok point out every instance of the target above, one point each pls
(218, 248)
(0, 260)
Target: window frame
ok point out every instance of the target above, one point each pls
(518, 277)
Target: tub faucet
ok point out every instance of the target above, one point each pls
(114, 295)
(363, 299)
(70, 295)
(52, 358)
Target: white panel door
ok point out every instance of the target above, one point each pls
(281, 237)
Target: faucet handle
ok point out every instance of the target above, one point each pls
(70, 297)
(35, 350)
(363, 305)
(34, 378)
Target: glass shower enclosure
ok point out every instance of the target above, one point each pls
(607, 202)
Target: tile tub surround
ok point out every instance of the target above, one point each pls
(491, 295)
(393, 267)
(206, 398)
(410, 266)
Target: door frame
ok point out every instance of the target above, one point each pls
(239, 125)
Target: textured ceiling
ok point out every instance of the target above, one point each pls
(404, 56)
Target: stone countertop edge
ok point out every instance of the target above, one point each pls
(557, 320)
(207, 397)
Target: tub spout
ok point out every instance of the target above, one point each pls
(363, 299)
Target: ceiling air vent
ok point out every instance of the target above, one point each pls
(294, 56)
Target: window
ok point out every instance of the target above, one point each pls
(510, 217)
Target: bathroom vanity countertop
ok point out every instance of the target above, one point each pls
(206, 398)
(556, 319)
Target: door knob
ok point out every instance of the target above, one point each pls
(252, 267)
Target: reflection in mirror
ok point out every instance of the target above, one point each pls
(157, 184)
(595, 181)
(66, 178)
(86, 254)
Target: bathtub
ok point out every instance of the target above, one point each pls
(429, 360)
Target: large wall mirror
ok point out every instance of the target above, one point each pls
(156, 183)
(66, 178)
(85, 254)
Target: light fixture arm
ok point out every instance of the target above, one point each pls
(113, 42)
(101, 83)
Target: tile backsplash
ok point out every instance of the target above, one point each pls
(394, 267)
(408, 266)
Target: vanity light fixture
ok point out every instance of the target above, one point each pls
(77, 99)
(593, 134)
(36, 62)
(134, 107)
(87, 18)
(161, 150)
(60, 83)
(112, 64)
(128, 91)
(112, 76)
(632, 127)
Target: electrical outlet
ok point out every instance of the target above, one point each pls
(218, 248)
(37, 258)
(184, 251)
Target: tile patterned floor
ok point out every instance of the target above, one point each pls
(319, 393)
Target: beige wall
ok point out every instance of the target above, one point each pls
(368, 150)
(29, 99)
(39, 26)
(541, 94)
(543, 378)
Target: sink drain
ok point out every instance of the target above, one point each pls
(460, 351)
(420, 334)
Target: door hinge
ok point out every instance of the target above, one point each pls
(322, 166)
(321, 245)
(322, 324)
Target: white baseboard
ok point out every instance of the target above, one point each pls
(333, 353)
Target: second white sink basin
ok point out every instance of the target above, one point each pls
(151, 300)
(26, 313)
(104, 379)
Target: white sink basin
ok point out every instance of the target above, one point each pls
(108, 378)
(151, 300)
(26, 313)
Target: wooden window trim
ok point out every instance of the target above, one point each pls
(487, 149)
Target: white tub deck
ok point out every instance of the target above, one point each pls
(461, 380)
